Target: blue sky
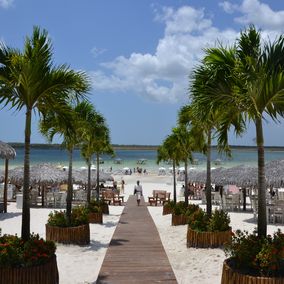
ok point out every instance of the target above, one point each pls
(139, 55)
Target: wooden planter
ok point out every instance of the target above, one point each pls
(207, 239)
(96, 217)
(44, 274)
(167, 210)
(232, 276)
(179, 220)
(79, 235)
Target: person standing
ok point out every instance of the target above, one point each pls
(122, 186)
(138, 192)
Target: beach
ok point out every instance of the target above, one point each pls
(81, 264)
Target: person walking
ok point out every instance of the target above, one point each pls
(138, 192)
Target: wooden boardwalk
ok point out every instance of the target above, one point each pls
(136, 253)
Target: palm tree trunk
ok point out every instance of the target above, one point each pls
(175, 184)
(26, 185)
(69, 188)
(186, 193)
(89, 182)
(98, 176)
(261, 220)
(208, 176)
(5, 185)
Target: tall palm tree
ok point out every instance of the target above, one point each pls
(95, 140)
(250, 81)
(171, 150)
(30, 81)
(191, 138)
(207, 119)
(52, 124)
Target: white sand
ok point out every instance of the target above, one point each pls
(82, 264)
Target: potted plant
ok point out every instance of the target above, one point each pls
(208, 232)
(95, 212)
(168, 207)
(181, 213)
(33, 260)
(253, 259)
(178, 214)
(77, 231)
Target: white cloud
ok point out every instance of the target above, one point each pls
(228, 7)
(97, 51)
(6, 3)
(257, 13)
(163, 75)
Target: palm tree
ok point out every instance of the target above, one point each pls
(170, 150)
(95, 140)
(52, 124)
(29, 81)
(207, 119)
(249, 81)
(191, 139)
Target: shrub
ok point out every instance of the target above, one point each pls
(95, 206)
(191, 208)
(198, 220)
(179, 208)
(170, 204)
(261, 256)
(219, 221)
(79, 216)
(14, 252)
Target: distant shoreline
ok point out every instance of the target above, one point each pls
(138, 147)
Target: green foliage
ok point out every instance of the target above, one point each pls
(15, 252)
(191, 208)
(170, 204)
(261, 255)
(179, 208)
(198, 221)
(95, 206)
(79, 216)
(219, 221)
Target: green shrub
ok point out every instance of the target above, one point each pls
(219, 221)
(79, 216)
(198, 220)
(95, 206)
(14, 252)
(179, 208)
(191, 208)
(170, 204)
(261, 256)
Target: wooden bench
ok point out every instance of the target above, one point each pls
(159, 196)
(111, 197)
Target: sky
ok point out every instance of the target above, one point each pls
(139, 56)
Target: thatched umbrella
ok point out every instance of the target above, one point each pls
(81, 176)
(6, 152)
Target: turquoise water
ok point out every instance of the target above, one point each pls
(129, 158)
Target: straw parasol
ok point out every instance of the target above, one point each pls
(6, 152)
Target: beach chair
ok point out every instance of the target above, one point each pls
(49, 199)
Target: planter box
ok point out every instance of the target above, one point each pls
(207, 239)
(179, 220)
(232, 276)
(79, 235)
(96, 218)
(167, 210)
(46, 273)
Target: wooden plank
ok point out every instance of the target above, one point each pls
(136, 253)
